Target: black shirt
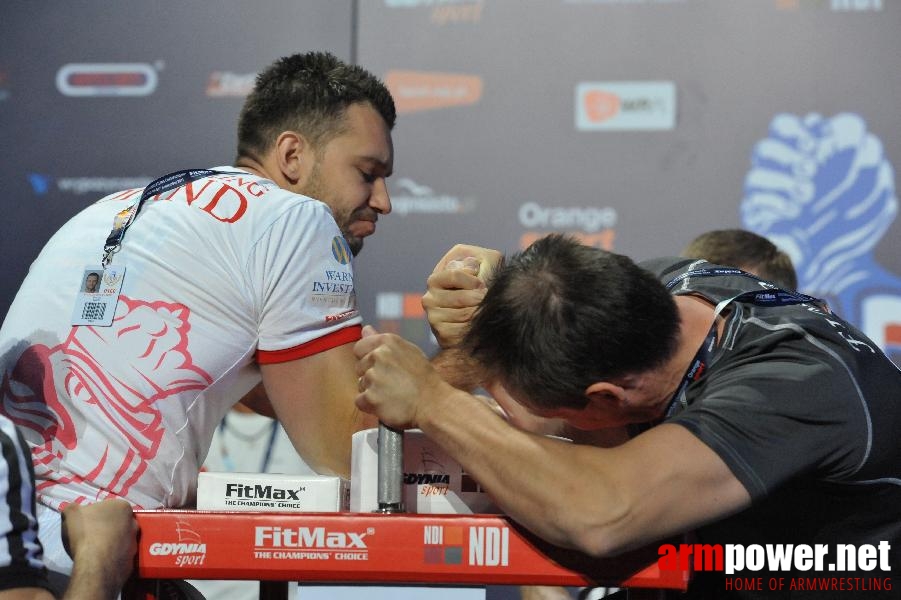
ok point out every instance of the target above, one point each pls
(806, 412)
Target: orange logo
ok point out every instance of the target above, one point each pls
(600, 105)
(420, 90)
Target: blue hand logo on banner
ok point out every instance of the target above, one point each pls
(823, 191)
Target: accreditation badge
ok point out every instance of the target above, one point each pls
(98, 295)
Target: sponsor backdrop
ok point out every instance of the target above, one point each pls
(638, 124)
(97, 97)
(634, 124)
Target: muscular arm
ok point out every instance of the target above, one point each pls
(256, 401)
(456, 286)
(458, 369)
(601, 501)
(102, 540)
(313, 397)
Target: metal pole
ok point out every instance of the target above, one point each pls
(391, 470)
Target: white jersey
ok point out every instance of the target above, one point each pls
(220, 274)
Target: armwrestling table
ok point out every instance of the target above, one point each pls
(381, 548)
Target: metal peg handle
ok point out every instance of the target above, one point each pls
(391, 469)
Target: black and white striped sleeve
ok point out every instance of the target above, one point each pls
(21, 555)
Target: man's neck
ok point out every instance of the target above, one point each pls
(257, 168)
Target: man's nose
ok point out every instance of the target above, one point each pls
(380, 200)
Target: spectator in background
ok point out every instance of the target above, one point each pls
(747, 251)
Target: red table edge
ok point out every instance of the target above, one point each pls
(397, 549)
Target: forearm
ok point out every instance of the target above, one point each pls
(530, 477)
(101, 538)
(458, 369)
(600, 501)
(93, 579)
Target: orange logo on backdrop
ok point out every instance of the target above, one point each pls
(600, 105)
(420, 90)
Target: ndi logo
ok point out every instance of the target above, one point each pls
(489, 546)
(443, 545)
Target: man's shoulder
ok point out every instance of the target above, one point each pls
(268, 196)
(664, 266)
(231, 197)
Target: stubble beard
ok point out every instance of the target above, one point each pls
(316, 189)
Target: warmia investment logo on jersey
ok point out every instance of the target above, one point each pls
(106, 79)
(421, 90)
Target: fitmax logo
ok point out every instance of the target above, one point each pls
(305, 537)
(267, 492)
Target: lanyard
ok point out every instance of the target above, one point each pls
(696, 368)
(763, 297)
(126, 217)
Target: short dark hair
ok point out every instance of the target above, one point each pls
(308, 93)
(747, 251)
(560, 316)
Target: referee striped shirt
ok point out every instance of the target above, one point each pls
(21, 555)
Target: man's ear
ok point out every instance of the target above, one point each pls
(605, 394)
(291, 151)
(605, 400)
